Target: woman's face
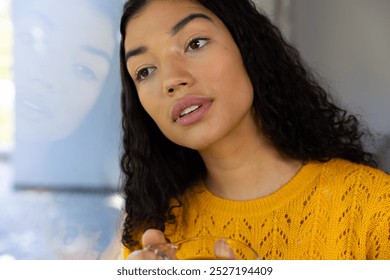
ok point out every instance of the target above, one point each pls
(189, 73)
(62, 59)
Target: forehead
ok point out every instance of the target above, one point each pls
(86, 27)
(159, 16)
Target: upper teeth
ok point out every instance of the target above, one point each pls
(189, 110)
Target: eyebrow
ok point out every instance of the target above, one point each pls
(97, 51)
(135, 52)
(181, 24)
(173, 31)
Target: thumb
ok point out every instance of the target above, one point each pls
(152, 236)
(223, 251)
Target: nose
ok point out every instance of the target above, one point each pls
(176, 76)
(42, 87)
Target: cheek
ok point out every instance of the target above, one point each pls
(227, 67)
(233, 82)
(81, 94)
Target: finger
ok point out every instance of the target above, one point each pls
(143, 255)
(152, 236)
(223, 251)
(153, 240)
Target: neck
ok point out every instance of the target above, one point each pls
(247, 168)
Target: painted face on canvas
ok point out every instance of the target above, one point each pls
(62, 59)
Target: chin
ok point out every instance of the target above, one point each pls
(200, 145)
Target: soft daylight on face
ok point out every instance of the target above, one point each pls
(189, 73)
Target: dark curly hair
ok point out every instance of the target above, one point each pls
(292, 109)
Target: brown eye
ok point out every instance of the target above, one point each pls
(197, 44)
(144, 73)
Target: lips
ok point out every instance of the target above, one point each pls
(34, 102)
(32, 105)
(189, 109)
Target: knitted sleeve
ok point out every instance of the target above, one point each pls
(378, 234)
(365, 200)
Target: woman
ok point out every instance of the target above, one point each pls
(45, 91)
(65, 70)
(65, 73)
(227, 134)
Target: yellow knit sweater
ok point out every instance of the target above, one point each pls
(333, 210)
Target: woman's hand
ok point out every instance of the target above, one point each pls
(150, 238)
(156, 248)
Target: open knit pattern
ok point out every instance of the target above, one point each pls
(332, 210)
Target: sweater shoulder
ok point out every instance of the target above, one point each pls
(357, 178)
(346, 169)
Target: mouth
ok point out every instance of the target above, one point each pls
(34, 109)
(187, 106)
(33, 106)
(35, 102)
(190, 109)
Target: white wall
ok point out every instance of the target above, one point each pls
(280, 13)
(348, 43)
